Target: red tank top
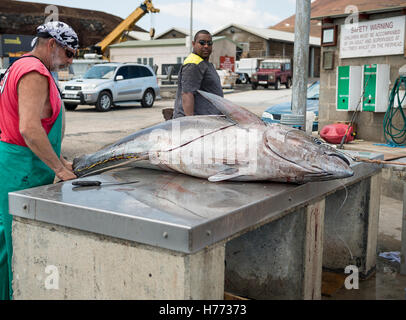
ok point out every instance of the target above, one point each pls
(9, 120)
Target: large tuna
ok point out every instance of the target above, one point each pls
(238, 146)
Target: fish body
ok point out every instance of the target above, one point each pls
(237, 146)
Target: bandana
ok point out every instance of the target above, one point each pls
(60, 31)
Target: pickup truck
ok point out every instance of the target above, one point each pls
(273, 72)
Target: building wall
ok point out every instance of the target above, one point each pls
(257, 47)
(170, 54)
(222, 48)
(160, 55)
(254, 46)
(369, 124)
(282, 49)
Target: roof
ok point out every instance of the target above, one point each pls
(138, 35)
(269, 34)
(331, 8)
(180, 30)
(364, 6)
(162, 42)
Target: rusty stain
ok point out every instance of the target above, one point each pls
(178, 187)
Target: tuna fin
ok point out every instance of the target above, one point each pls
(226, 174)
(236, 113)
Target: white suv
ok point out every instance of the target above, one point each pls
(108, 84)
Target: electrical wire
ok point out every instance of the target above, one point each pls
(336, 217)
(395, 134)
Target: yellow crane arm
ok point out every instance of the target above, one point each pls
(127, 24)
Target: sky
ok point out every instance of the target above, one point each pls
(207, 14)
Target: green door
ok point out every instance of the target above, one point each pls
(369, 100)
(343, 87)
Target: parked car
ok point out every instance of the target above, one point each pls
(273, 114)
(108, 84)
(273, 72)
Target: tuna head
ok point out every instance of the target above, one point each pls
(310, 159)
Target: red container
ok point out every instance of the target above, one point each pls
(334, 133)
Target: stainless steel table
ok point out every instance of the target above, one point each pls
(175, 216)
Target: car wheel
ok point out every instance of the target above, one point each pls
(277, 84)
(104, 102)
(266, 86)
(244, 79)
(70, 107)
(254, 86)
(288, 83)
(148, 99)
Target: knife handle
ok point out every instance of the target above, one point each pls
(86, 183)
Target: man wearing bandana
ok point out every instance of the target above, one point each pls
(31, 127)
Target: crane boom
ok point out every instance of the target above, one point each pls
(127, 24)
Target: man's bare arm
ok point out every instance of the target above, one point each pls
(32, 99)
(188, 103)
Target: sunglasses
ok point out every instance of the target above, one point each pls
(69, 54)
(202, 42)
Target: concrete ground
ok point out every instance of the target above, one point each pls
(88, 130)
(386, 283)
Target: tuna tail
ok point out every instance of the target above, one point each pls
(236, 113)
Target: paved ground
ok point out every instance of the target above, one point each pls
(88, 130)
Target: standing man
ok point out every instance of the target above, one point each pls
(31, 127)
(197, 73)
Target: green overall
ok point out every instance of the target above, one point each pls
(20, 169)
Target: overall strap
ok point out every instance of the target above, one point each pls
(31, 56)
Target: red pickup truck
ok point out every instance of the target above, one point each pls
(273, 72)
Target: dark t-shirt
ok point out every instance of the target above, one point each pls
(193, 77)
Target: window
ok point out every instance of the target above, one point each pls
(329, 36)
(100, 72)
(145, 72)
(146, 61)
(123, 71)
(270, 65)
(134, 72)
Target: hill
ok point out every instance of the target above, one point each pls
(92, 26)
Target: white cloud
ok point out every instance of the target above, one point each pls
(216, 14)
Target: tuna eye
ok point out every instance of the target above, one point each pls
(317, 141)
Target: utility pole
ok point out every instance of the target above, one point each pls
(191, 25)
(301, 58)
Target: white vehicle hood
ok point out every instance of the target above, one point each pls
(82, 82)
